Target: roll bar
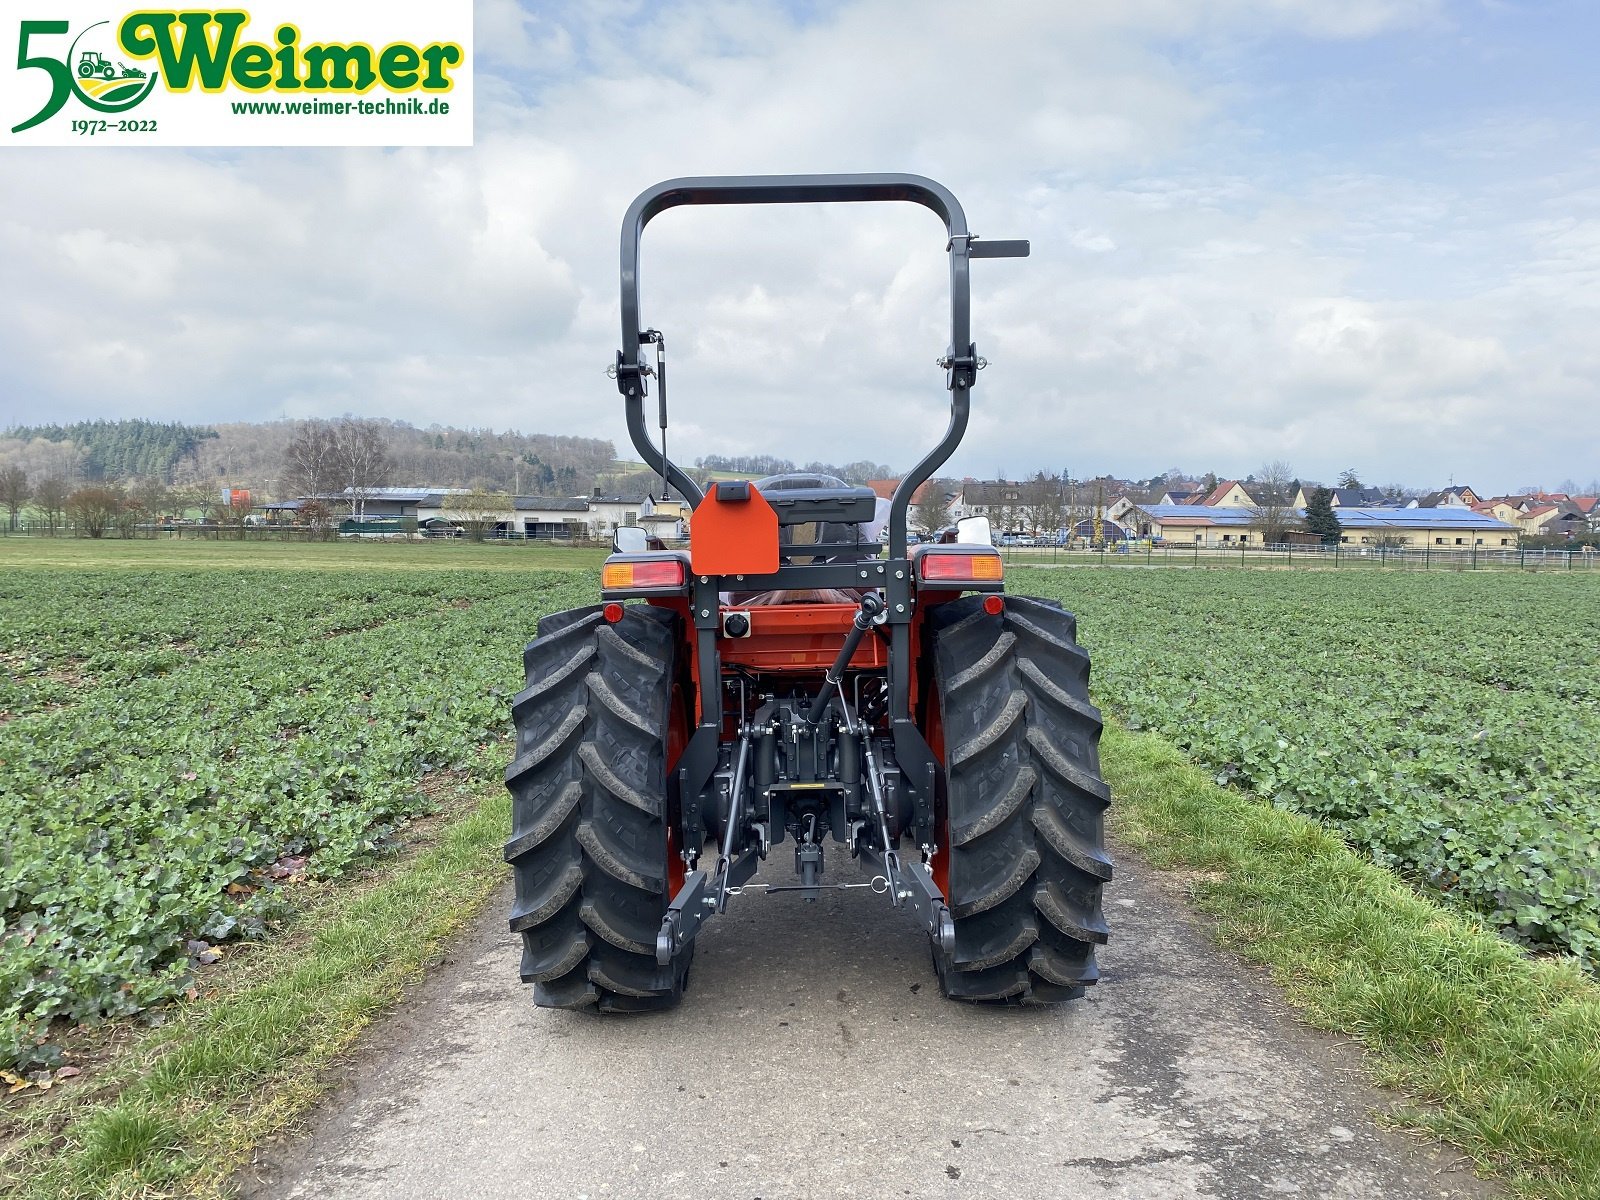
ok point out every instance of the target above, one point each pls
(960, 361)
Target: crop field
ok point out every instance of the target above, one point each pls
(1447, 725)
(180, 744)
(177, 746)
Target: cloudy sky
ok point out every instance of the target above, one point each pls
(1357, 234)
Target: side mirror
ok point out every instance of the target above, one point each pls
(630, 539)
(974, 531)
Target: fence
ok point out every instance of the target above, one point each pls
(1394, 558)
(1403, 558)
(278, 532)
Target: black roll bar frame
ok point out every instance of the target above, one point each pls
(961, 362)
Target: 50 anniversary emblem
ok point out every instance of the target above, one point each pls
(232, 77)
(86, 71)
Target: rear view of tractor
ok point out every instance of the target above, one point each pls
(796, 681)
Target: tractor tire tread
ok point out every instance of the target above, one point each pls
(1025, 802)
(589, 841)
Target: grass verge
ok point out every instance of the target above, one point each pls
(1500, 1052)
(177, 1113)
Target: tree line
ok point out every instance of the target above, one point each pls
(109, 506)
(766, 464)
(121, 449)
(251, 455)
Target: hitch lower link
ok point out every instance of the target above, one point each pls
(697, 901)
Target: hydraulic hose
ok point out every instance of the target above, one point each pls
(871, 607)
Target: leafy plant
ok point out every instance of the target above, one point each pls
(180, 747)
(1447, 726)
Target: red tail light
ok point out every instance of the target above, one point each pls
(980, 566)
(654, 574)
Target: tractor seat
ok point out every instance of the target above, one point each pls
(800, 499)
(824, 512)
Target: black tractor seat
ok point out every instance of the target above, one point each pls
(799, 499)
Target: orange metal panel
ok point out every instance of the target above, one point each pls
(800, 638)
(734, 537)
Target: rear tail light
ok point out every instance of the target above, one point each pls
(651, 575)
(980, 566)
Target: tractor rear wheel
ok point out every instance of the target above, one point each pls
(589, 843)
(1026, 857)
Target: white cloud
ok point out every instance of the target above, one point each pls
(1216, 307)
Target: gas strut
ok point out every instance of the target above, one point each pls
(871, 607)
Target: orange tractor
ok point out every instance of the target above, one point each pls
(794, 675)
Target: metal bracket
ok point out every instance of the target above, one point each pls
(687, 912)
(629, 376)
(928, 901)
(963, 368)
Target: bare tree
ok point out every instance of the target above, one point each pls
(317, 517)
(932, 512)
(1044, 503)
(310, 460)
(50, 498)
(14, 492)
(362, 458)
(149, 499)
(95, 509)
(479, 511)
(1273, 512)
(229, 514)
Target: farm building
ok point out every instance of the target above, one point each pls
(516, 516)
(1229, 526)
(596, 516)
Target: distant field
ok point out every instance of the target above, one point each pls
(1447, 724)
(342, 555)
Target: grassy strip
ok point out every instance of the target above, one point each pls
(178, 1113)
(1503, 1050)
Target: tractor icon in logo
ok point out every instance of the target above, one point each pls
(93, 73)
(94, 63)
(102, 83)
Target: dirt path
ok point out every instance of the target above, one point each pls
(814, 1058)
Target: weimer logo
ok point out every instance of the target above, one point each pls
(363, 74)
(88, 72)
(207, 46)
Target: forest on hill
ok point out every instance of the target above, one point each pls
(255, 456)
(92, 451)
(251, 455)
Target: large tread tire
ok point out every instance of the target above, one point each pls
(1025, 800)
(589, 845)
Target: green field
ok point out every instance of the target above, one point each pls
(193, 735)
(184, 725)
(178, 744)
(1446, 725)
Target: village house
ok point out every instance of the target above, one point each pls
(1232, 526)
(1345, 497)
(1450, 497)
